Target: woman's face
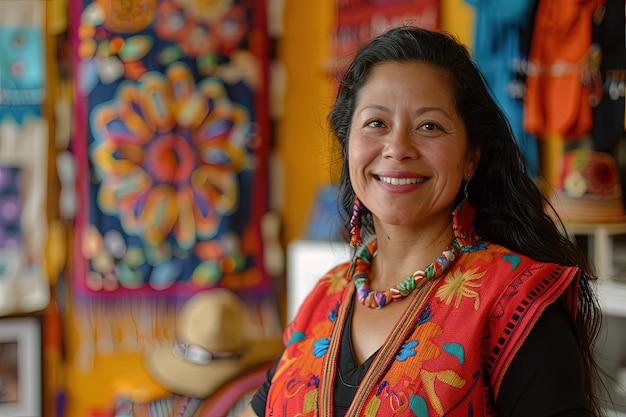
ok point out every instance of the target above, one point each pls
(408, 149)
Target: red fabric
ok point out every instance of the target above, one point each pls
(453, 346)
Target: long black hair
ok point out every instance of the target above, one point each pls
(511, 209)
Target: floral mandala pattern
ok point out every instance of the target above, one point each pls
(167, 154)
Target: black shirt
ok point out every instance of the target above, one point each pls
(544, 379)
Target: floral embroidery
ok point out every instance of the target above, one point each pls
(415, 353)
(456, 350)
(457, 285)
(296, 337)
(448, 377)
(426, 315)
(433, 372)
(336, 280)
(513, 259)
(320, 347)
(407, 350)
(418, 405)
(332, 316)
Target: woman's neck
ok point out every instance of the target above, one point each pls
(400, 253)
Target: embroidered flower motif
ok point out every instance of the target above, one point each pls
(336, 280)
(407, 350)
(458, 285)
(320, 347)
(414, 353)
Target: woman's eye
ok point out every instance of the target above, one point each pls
(429, 127)
(376, 123)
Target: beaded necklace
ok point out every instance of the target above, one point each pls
(378, 299)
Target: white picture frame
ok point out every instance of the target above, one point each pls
(20, 367)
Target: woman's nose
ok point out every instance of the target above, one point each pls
(400, 146)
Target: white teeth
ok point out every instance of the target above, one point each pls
(402, 181)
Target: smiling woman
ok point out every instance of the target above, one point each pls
(463, 296)
(408, 153)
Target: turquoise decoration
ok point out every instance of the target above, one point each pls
(320, 347)
(418, 406)
(407, 350)
(296, 337)
(513, 259)
(455, 349)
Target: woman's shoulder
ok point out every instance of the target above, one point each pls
(493, 252)
(332, 283)
(325, 296)
(508, 268)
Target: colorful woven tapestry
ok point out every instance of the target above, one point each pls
(24, 285)
(171, 146)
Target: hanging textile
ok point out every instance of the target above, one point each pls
(24, 286)
(609, 35)
(170, 142)
(170, 145)
(556, 102)
(499, 50)
(360, 20)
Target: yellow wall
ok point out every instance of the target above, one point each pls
(304, 48)
(302, 138)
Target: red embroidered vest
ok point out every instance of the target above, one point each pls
(447, 355)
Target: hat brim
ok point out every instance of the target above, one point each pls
(200, 381)
(581, 210)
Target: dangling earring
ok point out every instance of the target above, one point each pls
(462, 219)
(469, 177)
(355, 223)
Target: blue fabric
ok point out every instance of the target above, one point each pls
(496, 45)
(22, 72)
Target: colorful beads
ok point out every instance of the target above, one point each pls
(378, 299)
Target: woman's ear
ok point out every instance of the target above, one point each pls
(474, 160)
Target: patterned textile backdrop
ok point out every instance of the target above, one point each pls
(170, 145)
(24, 285)
(360, 20)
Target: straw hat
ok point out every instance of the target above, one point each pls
(211, 346)
(589, 189)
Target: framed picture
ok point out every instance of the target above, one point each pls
(20, 366)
